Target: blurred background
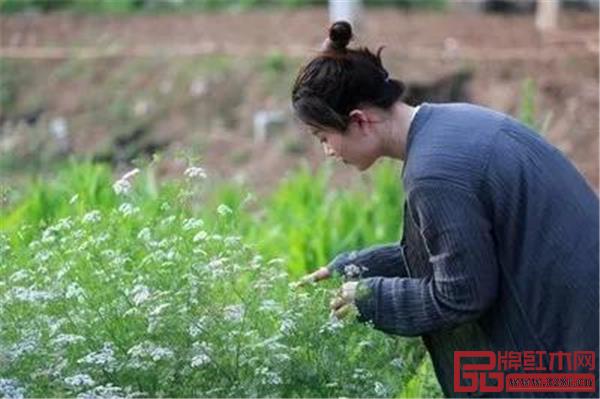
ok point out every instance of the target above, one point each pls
(118, 80)
(90, 89)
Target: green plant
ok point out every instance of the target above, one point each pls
(8, 87)
(527, 108)
(138, 291)
(78, 186)
(275, 62)
(43, 5)
(309, 223)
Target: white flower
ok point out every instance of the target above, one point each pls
(147, 349)
(127, 209)
(202, 352)
(353, 271)
(381, 390)
(66, 339)
(360, 374)
(397, 362)
(18, 276)
(92, 217)
(223, 210)
(160, 352)
(48, 236)
(168, 220)
(54, 324)
(31, 295)
(268, 377)
(158, 309)
(234, 313)
(74, 290)
(104, 357)
(123, 185)
(10, 388)
(217, 263)
(332, 325)
(140, 294)
(287, 326)
(29, 344)
(200, 360)
(144, 234)
(79, 380)
(197, 327)
(201, 236)
(232, 240)
(103, 391)
(62, 224)
(195, 171)
(103, 237)
(192, 223)
(269, 305)
(43, 256)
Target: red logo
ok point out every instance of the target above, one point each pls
(487, 371)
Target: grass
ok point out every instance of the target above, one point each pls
(528, 113)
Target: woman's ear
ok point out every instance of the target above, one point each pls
(356, 115)
(361, 118)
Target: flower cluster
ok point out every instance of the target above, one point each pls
(123, 185)
(195, 172)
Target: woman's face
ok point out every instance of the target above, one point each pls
(355, 147)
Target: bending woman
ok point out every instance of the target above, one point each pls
(500, 244)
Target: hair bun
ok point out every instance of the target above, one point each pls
(340, 34)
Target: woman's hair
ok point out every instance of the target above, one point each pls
(340, 79)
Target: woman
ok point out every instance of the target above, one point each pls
(500, 244)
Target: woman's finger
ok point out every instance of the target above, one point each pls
(321, 274)
(343, 311)
(337, 303)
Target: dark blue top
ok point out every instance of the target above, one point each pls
(500, 245)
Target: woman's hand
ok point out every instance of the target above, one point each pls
(321, 274)
(343, 304)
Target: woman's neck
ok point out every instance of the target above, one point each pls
(395, 136)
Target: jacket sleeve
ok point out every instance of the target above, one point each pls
(385, 260)
(461, 250)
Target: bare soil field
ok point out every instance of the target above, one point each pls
(501, 52)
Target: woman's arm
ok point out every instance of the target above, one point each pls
(464, 283)
(385, 260)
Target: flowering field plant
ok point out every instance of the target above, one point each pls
(142, 298)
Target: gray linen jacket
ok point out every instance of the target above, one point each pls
(500, 244)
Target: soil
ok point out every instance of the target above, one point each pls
(502, 51)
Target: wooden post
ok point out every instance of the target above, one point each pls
(347, 10)
(546, 14)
